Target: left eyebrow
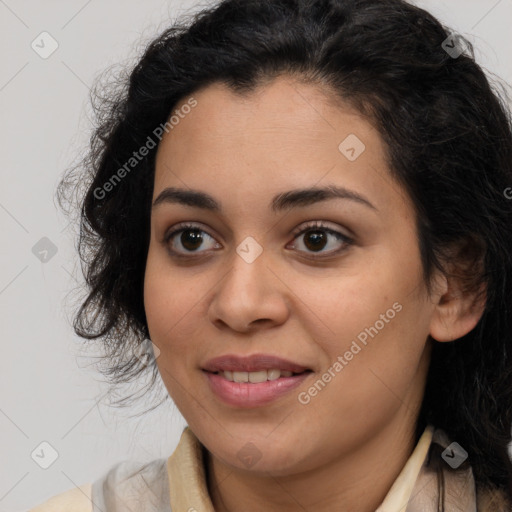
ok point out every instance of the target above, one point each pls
(297, 198)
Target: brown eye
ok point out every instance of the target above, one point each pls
(316, 240)
(315, 237)
(190, 240)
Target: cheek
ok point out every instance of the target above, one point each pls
(166, 314)
(167, 299)
(340, 307)
(173, 302)
(375, 378)
(377, 322)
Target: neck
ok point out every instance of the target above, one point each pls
(359, 480)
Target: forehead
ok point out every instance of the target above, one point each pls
(280, 112)
(281, 134)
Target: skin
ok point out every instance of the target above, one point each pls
(344, 449)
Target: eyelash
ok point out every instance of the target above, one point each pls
(314, 226)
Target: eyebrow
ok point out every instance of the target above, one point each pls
(296, 198)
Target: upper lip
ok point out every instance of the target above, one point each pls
(254, 363)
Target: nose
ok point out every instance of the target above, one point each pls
(250, 294)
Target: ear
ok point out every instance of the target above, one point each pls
(457, 309)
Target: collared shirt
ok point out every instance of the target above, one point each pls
(178, 483)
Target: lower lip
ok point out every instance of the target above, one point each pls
(247, 395)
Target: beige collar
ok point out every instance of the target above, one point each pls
(401, 490)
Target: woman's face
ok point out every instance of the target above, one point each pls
(242, 281)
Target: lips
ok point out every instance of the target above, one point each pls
(254, 363)
(247, 395)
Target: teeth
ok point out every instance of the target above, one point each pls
(273, 374)
(255, 377)
(240, 376)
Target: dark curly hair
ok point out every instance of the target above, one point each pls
(448, 136)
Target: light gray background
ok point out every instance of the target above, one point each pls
(48, 388)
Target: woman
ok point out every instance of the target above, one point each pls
(303, 206)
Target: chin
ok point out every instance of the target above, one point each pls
(262, 456)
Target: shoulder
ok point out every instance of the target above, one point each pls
(74, 500)
(122, 487)
(129, 483)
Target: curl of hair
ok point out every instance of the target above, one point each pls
(448, 136)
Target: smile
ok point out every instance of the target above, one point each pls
(253, 389)
(256, 377)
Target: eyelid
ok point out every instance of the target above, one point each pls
(318, 224)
